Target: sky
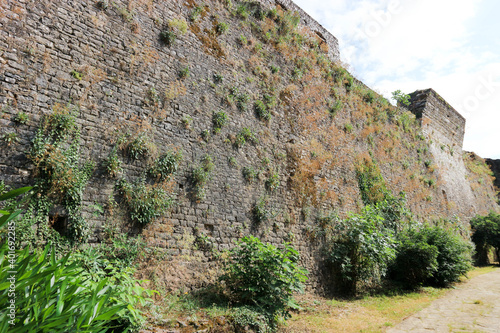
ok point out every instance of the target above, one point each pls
(452, 46)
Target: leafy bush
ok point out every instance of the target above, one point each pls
(486, 233)
(454, 255)
(145, 202)
(401, 98)
(166, 165)
(263, 276)
(416, 260)
(360, 248)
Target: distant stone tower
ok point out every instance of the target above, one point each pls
(445, 129)
(439, 119)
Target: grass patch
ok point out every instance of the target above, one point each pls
(366, 314)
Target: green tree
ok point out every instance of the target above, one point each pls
(486, 234)
(401, 97)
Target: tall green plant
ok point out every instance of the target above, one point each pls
(58, 295)
(360, 248)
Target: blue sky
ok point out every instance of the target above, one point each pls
(452, 46)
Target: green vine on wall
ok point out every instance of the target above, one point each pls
(60, 177)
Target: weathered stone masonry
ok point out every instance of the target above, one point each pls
(120, 57)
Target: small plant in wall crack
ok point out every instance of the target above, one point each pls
(221, 28)
(168, 37)
(166, 165)
(219, 119)
(250, 174)
(145, 202)
(140, 146)
(195, 14)
(261, 111)
(262, 210)
(184, 72)
(273, 182)
(21, 118)
(245, 135)
(10, 138)
(201, 175)
(113, 164)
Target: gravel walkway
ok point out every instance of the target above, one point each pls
(473, 307)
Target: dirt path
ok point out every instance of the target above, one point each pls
(472, 307)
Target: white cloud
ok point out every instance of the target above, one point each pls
(410, 45)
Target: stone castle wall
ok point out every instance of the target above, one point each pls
(130, 83)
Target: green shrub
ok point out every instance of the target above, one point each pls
(263, 276)
(145, 202)
(242, 11)
(401, 98)
(360, 248)
(416, 260)
(369, 96)
(219, 119)
(166, 165)
(242, 101)
(261, 211)
(370, 181)
(335, 107)
(245, 135)
(486, 234)
(454, 255)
